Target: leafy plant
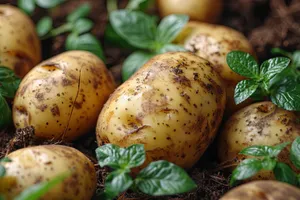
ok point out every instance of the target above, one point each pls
(28, 6)
(79, 26)
(265, 81)
(132, 5)
(9, 84)
(266, 158)
(141, 31)
(158, 178)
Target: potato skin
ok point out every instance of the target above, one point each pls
(261, 123)
(37, 164)
(20, 48)
(63, 96)
(214, 42)
(263, 190)
(200, 10)
(173, 105)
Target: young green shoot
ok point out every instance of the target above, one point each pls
(28, 6)
(9, 84)
(266, 158)
(149, 181)
(142, 32)
(266, 81)
(78, 26)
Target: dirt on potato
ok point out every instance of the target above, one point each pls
(266, 23)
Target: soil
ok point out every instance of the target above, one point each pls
(266, 23)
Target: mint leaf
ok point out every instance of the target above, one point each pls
(5, 159)
(27, 6)
(108, 155)
(287, 96)
(86, 42)
(257, 150)
(171, 48)
(134, 62)
(244, 89)
(132, 156)
(80, 12)
(82, 26)
(295, 153)
(278, 148)
(137, 4)
(268, 163)
(273, 66)
(48, 3)
(163, 178)
(296, 58)
(117, 182)
(44, 26)
(2, 171)
(137, 28)
(170, 27)
(5, 114)
(285, 174)
(245, 169)
(243, 64)
(35, 192)
(112, 37)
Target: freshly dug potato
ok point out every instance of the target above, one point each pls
(37, 164)
(200, 10)
(173, 105)
(19, 44)
(213, 42)
(261, 123)
(63, 96)
(263, 190)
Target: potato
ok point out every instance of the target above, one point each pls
(200, 10)
(19, 44)
(263, 190)
(213, 42)
(63, 96)
(173, 105)
(261, 123)
(37, 164)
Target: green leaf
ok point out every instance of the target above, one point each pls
(285, 174)
(295, 152)
(281, 51)
(35, 192)
(273, 66)
(82, 26)
(244, 89)
(9, 83)
(243, 64)
(44, 26)
(137, 4)
(86, 42)
(171, 48)
(296, 58)
(5, 159)
(287, 96)
(2, 171)
(133, 62)
(164, 178)
(137, 28)
(133, 156)
(117, 182)
(268, 163)
(108, 155)
(246, 169)
(5, 114)
(27, 6)
(278, 148)
(80, 12)
(170, 27)
(48, 3)
(257, 150)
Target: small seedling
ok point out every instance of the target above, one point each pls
(265, 81)
(79, 26)
(141, 31)
(158, 178)
(9, 84)
(266, 158)
(29, 6)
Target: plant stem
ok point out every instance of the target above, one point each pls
(59, 30)
(111, 5)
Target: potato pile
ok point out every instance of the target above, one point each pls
(19, 44)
